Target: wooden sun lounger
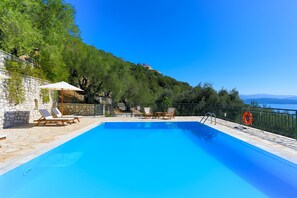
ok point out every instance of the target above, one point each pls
(136, 112)
(169, 114)
(47, 118)
(147, 112)
(54, 120)
(58, 114)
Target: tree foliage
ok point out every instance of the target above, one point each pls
(45, 33)
(204, 98)
(38, 30)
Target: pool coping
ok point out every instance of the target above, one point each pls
(222, 125)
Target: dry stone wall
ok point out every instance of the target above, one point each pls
(78, 109)
(84, 109)
(11, 114)
(17, 114)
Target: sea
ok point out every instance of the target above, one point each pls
(280, 106)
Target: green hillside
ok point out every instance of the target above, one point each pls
(44, 32)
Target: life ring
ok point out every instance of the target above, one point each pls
(247, 118)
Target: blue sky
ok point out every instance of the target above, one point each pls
(248, 45)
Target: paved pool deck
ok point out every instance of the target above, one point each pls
(26, 142)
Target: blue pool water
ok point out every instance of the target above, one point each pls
(152, 160)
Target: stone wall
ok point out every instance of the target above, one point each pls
(17, 114)
(78, 109)
(15, 118)
(11, 114)
(83, 109)
(6, 56)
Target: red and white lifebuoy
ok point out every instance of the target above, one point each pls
(247, 118)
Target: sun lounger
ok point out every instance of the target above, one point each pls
(122, 106)
(136, 112)
(147, 112)
(48, 118)
(170, 113)
(58, 114)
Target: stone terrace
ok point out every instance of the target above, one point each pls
(28, 141)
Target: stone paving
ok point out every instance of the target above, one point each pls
(282, 140)
(26, 142)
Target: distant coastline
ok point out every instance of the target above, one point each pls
(280, 106)
(272, 101)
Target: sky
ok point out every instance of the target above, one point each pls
(248, 45)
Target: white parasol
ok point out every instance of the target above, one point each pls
(61, 86)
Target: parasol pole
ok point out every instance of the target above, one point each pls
(62, 102)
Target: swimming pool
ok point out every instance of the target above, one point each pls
(152, 159)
